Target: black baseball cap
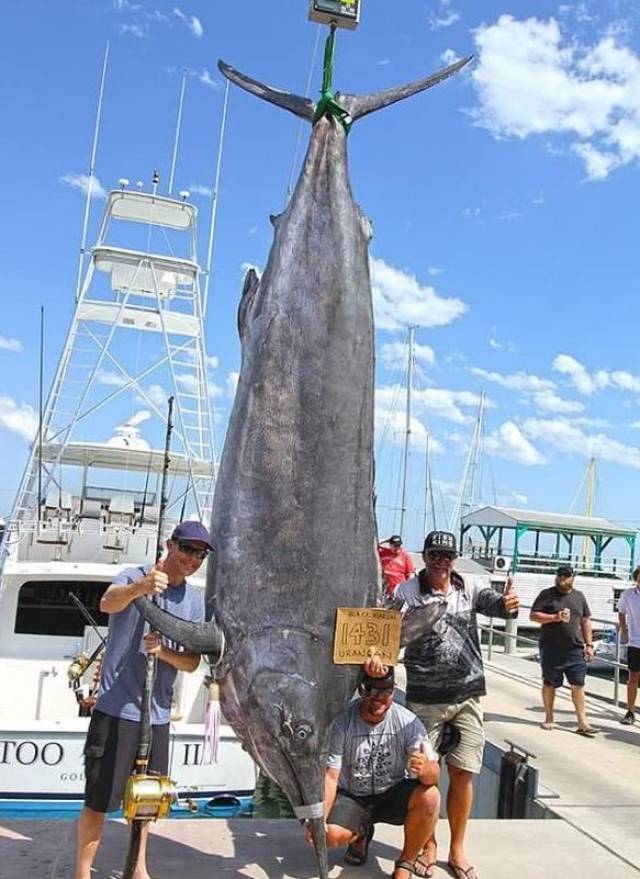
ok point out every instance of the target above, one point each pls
(388, 682)
(444, 541)
(395, 540)
(190, 531)
(565, 571)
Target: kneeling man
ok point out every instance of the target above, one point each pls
(381, 768)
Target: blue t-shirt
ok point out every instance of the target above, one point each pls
(123, 666)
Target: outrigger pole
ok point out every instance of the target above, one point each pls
(148, 797)
(92, 169)
(214, 199)
(176, 142)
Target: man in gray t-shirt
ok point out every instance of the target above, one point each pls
(114, 730)
(381, 768)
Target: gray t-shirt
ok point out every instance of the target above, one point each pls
(373, 757)
(123, 667)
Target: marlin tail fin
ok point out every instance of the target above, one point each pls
(302, 107)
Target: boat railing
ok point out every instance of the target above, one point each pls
(510, 636)
(547, 563)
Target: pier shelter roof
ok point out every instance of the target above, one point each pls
(531, 520)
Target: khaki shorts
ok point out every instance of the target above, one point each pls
(467, 718)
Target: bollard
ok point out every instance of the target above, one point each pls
(616, 671)
(511, 636)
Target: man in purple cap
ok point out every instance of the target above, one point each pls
(114, 730)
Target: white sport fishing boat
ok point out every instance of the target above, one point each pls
(88, 503)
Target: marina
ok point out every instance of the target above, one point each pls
(276, 482)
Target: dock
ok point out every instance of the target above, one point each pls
(591, 787)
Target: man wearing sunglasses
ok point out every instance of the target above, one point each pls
(381, 768)
(114, 730)
(445, 675)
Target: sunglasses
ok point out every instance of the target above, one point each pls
(194, 551)
(437, 554)
(382, 692)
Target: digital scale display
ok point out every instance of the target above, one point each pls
(344, 13)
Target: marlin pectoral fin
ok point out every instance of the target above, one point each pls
(361, 105)
(194, 637)
(295, 104)
(249, 290)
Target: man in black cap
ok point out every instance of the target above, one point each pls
(381, 768)
(397, 565)
(114, 730)
(566, 645)
(445, 675)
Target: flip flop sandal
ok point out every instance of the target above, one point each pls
(356, 857)
(422, 869)
(587, 733)
(461, 873)
(403, 865)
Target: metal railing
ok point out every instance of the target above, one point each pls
(616, 665)
(547, 563)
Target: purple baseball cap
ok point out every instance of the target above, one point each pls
(191, 530)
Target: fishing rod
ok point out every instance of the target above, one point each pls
(148, 797)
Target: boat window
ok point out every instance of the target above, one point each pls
(45, 608)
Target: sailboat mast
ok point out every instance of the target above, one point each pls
(407, 435)
(591, 499)
(92, 171)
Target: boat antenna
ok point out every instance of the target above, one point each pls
(407, 434)
(214, 199)
(144, 743)
(40, 414)
(92, 169)
(174, 157)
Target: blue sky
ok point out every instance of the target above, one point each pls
(504, 207)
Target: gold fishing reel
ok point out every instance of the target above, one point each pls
(78, 667)
(148, 797)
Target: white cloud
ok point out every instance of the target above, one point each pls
(517, 381)
(567, 437)
(8, 344)
(18, 418)
(113, 379)
(139, 418)
(136, 30)
(443, 16)
(232, 383)
(212, 361)
(394, 354)
(203, 76)
(589, 383)
(400, 300)
(449, 56)
(549, 401)
(509, 442)
(121, 5)
(84, 183)
(192, 22)
(434, 270)
(431, 402)
(532, 79)
(201, 189)
(158, 395)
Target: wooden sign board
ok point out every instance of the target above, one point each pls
(362, 632)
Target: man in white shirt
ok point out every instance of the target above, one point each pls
(629, 618)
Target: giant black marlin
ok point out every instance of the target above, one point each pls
(293, 515)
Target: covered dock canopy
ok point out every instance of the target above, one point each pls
(493, 521)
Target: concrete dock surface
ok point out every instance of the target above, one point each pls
(593, 784)
(259, 849)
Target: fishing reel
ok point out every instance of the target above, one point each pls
(79, 665)
(148, 797)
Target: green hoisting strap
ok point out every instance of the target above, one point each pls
(327, 102)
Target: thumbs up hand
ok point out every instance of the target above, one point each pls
(510, 596)
(156, 580)
(418, 761)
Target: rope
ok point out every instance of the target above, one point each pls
(327, 105)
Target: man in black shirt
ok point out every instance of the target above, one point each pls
(566, 644)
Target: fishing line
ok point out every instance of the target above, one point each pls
(307, 91)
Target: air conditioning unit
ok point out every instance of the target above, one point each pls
(502, 563)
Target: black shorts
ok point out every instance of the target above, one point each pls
(572, 665)
(633, 658)
(357, 813)
(109, 757)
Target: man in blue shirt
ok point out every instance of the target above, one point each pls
(114, 730)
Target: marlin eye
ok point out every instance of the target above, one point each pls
(303, 731)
